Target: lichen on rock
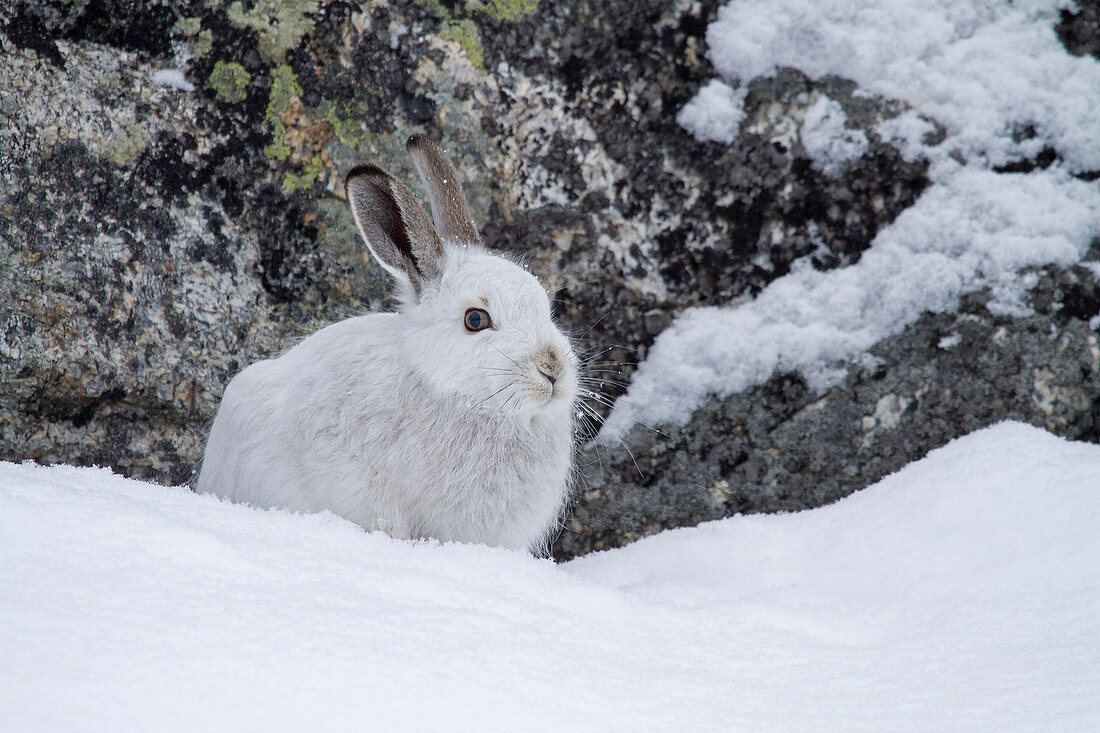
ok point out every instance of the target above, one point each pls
(279, 24)
(506, 10)
(464, 33)
(125, 146)
(229, 80)
(296, 182)
(284, 90)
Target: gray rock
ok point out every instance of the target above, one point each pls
(1079, 28)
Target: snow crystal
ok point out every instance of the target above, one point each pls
(715, 113)
(962, 592)
(830, 144)
(998, 80)
(174, 79)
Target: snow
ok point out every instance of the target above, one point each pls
(983, 69)
(715, 113)
(961, 593)
(174, 79)
(949, 342)
(831, 145)
(986, 72)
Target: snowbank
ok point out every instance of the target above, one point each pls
(992, 74)
(962, 592)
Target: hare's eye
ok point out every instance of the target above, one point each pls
(477, 320)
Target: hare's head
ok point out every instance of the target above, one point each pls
(474, 324)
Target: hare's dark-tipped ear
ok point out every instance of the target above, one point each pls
(449, 208)
(394, 226)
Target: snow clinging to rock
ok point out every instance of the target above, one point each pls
(1003, 87)
(830, 144)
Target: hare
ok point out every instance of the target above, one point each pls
(451, 418)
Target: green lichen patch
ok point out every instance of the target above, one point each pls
(202, 44)
(124, 148)
(201, 40)
(464, 33)
(189, 26)
(509, 10)
(229, 80)
(277, 148)
(348, 130)
(279, 24)
(284, 89)
(297, 182)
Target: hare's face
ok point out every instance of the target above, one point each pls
(487, 333)
(474, 326)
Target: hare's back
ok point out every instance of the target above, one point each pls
(279, 418)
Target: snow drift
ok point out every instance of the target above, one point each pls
(962, 592)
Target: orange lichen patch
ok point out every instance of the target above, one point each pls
(302, 136)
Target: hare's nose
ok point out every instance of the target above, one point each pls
(550, 364)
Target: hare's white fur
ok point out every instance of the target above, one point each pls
(409, 423)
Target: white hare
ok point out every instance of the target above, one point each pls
(451, 418)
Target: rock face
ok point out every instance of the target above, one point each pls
(156, 237)
(780, 447)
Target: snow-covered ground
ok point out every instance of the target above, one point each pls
(962, 593)
(987, 72)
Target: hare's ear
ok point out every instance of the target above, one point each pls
(449, 208)
(394, 226)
